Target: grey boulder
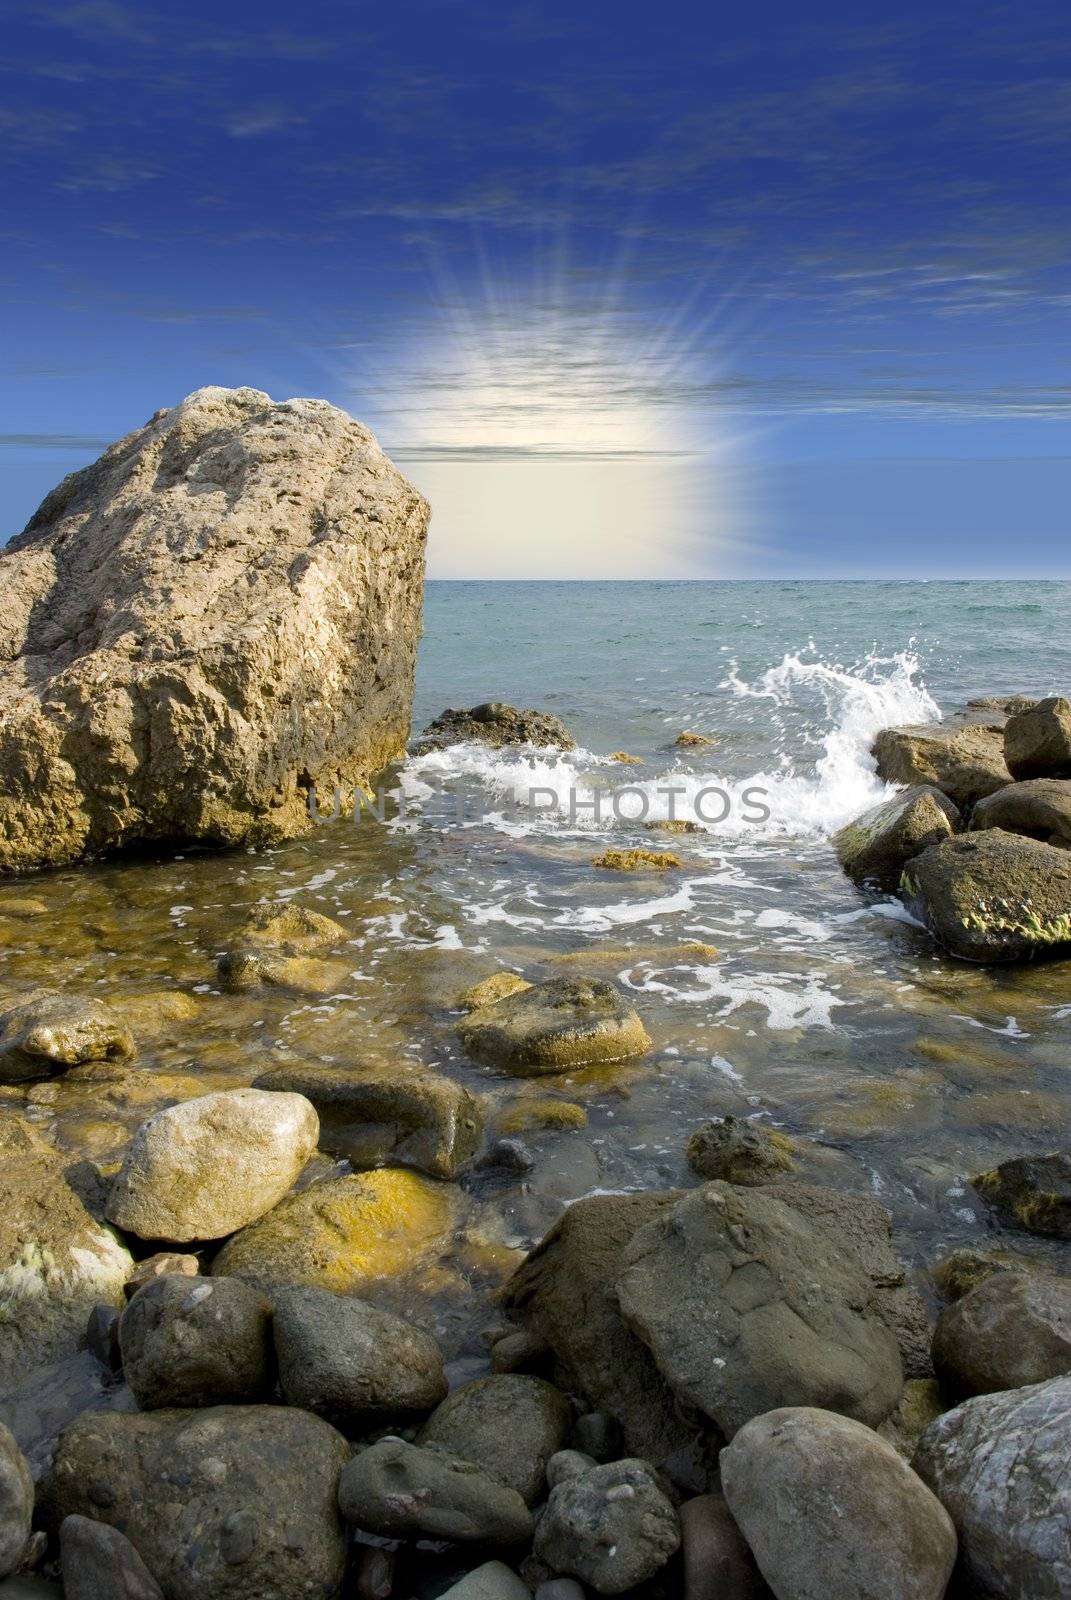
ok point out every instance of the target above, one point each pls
(1039, 809)
(509, 1424)
(350, 1362)
(832, 1512)
(100, 1563)
(613, 1527)
(48, 1032)
(1012, 1330)
(999, 1465)
(197, 1342)
(717, 1562)
(992, 896)
(400, 1491)
(1037, 741)
(16, 1503)
(876, 847)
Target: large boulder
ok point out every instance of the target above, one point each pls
(612, 1526)
(497, 725)
(877, 846)
(345, 1233)
(56, 1261)
(353, 1364)
(747, 1305)
(1037, 741)
(962, 757)
(509, 1424)
(553, 1026)
(1031, 1192)
(832, 1512)
(1039, 809)
(197, 1342)
(220, 613)
(992, 896)
(16, 1503)
(204, 1168)
(48, 1032)
(400, 1491)
(998, 1463)
(1012, 1330)
(399, 1116)
(236, 1502)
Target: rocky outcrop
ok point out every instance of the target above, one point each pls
(1012, 1330)
(497, 725)
(202, 1169)
(998, 1463)
(236, 1502)
(832, 1512)
(1038, 809)
(56, 1262)
(555, 1025)
(1037, 740)
(992, 896)
(219, 614)
(962, 757)
(877, 846)
(1032, 1192)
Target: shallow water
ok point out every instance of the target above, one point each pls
(825, 1012)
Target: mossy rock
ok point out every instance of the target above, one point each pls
(489, 990)
(527, 1116)
(1033, 1192)
(637, 860)
(553, 1026)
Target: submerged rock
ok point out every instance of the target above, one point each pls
(244, 578)
(746, 1305)
(739, 1151)
(1012, 1330)
(400, 1491)
(998, 1463)
(510, 1425)
(992, 896)
(48, 1032)
(692, 741)
(832, 1512)
(497, 725)
(1037, 741)
(278, 945)
(344, 1233)
(56, 1262)
(876, 847)
(637, 860)
(204, 1168)
(351, 1363)
(961, 757)
(562, 1023)
(393, 1116)
(488, 990)
(16, 1503)
(611, 1526)
(1034, 1192)
(236, 1502)
(201, 1342)
(1038, 809)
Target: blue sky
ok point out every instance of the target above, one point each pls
(629, 290)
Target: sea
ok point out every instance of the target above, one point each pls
(772, 988)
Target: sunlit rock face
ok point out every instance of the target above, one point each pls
(219, 613)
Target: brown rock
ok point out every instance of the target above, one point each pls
(1037, 742)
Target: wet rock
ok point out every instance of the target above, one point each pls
(717, 1562)
(22, 907)
(493, 1581)
(957, 1273)
(204, 1168)
(495, 724)
(100, 1563)
(277, 945)
(509, 1424)
(526, 1116)
(16, 1503)
(163, 1264)
(508, 1155)
(739, 1151)
(625, 759)
(598, 1434)
(565, 1464)
(102, 1337)
(1033, 1192)
(48, 1032)
(963, 759)
(1012, 1330)
(394, 1116)
(1037, 741)
(197, 1343)
(877, 846)
(919, 1405)
(351, 1363)
(637, 860)
(240, 970)
(553, 1026)
(401, 1491)
(291, 929)
(244, 579)
(831, 1511)
(692, 741)
(999, 1465)
(56, 1261)
(613, 1527)
(236, 1502)
(1038, 809)
(344, 1233)
(992, 896)
(488, 990)
(40, 1404)
(746, 1306)
(566, 1295)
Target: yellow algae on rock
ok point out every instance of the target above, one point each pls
(345, 1233)
(625, 759)
(691, 741)
(526, 1116)
(673, 825)
(153, 1011)
(488, 990)
(637, 860)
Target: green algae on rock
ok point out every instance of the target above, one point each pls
(739, 1152)
(555, 1025)
(1033, 1192)
(876, 847)
(992, 896)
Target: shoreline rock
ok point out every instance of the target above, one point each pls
(555, 1025)
(495, 724)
